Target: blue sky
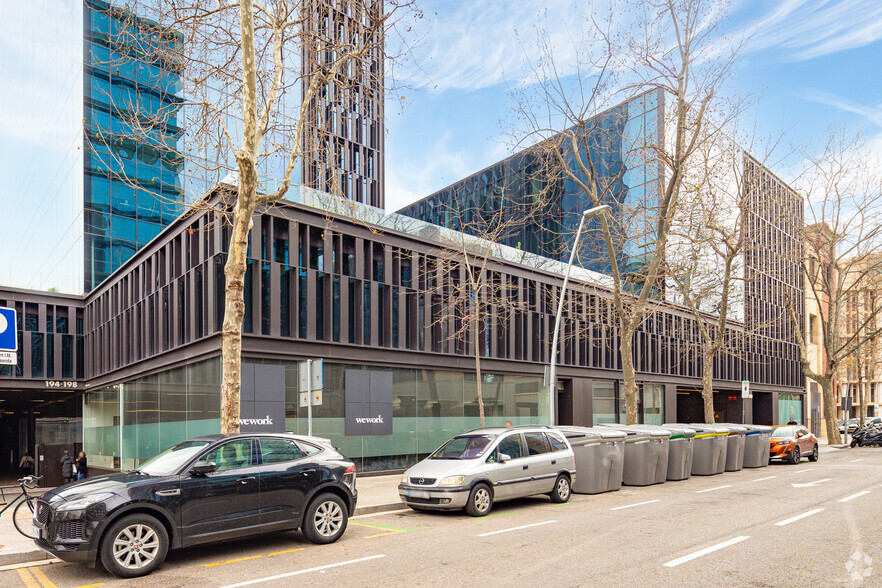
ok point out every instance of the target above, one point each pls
(807, 64)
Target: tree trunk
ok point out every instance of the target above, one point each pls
(234, 307)
(707, 386)
(627, 343)
(477, 343)
(833, 437)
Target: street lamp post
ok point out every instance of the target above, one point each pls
(552, 367)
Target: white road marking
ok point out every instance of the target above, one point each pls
(763, 479)
(638, 504)
(853, 496)
(712, 489)
(705, 551)
(379, 514)
(515, 528)
(856, 460)
(798, 517)
(803, 471)
(298, 572)
(811, 484)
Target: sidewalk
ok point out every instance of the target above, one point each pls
(375, 494)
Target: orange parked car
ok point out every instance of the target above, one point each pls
(791, 442)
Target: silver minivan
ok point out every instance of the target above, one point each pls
(483, 466)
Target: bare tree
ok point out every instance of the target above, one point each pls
(843, 196)
(239, 83)
(479, 294)
(673, 55)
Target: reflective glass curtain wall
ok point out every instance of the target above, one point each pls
(132, 172)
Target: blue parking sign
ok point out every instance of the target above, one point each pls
(8, 338)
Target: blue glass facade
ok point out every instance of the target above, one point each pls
(132, 162)
(628, 177)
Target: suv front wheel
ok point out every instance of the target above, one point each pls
(480, 500)
(134, 546)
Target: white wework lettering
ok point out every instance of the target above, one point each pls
(265, 421)
(371, 421)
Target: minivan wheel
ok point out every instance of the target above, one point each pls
(480, 501)
(814, 454)
(326, 519)
(561, 492)
(794, 457)
(134, 546)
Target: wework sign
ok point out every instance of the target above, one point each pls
(368, 403)
(262, 405)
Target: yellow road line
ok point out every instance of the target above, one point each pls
(286, 551)
(384, 534)
(44, 580)
(27, 578)
(91, 585)
(220, 563)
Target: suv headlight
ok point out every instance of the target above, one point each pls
(84, 502)
(404, 478)
(452, 481)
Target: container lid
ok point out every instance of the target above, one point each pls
(702, 431)
(656, 431)
(633, 433)
(736, 429)
(758, 429)
(586, 435)
(677, 431)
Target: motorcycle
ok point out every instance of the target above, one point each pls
(867, 436)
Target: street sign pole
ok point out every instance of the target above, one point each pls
(745, 394)
(309, 393)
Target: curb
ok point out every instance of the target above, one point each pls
(364, 510)
(24, 557)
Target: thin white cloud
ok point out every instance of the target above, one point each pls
(871, 113)
(805, 29)
(473, 45)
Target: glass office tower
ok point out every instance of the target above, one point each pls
(629, 180)
(132, 162)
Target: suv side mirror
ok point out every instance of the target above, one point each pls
(201, 467)
(504, 457)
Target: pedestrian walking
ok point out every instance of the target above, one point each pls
(26, 464)
(82, 466)
(792, 422)
(67, 467)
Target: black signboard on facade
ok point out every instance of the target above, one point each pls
(368, 403)
(262, 404)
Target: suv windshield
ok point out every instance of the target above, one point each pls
(783, 432)
(464, 447)
(167, 462)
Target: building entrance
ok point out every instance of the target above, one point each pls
(728, 407)
(29, 418)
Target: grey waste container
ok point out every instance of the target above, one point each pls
(600, 455)
(756, 446)
(735, 453)
(709, 450)
(646, 454)
(680, 452)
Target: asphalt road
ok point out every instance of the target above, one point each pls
(812, 524)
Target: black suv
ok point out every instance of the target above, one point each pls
(206, 489)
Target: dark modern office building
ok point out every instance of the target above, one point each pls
(373, 295)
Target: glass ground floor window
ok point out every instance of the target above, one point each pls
(790, 406)
(126, 424)
(608, 398)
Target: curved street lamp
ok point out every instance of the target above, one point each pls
(552, 368)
